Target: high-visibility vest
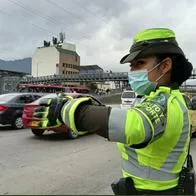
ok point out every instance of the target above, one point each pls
(153, 139)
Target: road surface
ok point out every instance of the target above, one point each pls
(53, 165)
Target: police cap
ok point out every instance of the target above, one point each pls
(151, 42)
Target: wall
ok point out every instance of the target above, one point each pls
(9, 84)
(67, 62)
(44, 61)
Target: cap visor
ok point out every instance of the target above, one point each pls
(129, 57)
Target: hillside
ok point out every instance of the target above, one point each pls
(20, 65)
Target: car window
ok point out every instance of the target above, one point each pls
(24, 99)
(53, 95)
(193, 99)
(128, 94)
(193, 103)
(187, 101)
(35, 97)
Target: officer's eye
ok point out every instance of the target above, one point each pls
(140, 62)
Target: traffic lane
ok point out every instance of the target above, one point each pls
(54, 165)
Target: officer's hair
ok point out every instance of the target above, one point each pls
(181, 67)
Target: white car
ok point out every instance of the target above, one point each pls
(128, 98)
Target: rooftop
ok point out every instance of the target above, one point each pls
(64, 51)
(89, 67)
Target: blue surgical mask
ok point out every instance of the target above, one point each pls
(140, 83)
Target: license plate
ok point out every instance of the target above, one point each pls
(35, 123)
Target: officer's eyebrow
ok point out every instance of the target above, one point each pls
(137, 61)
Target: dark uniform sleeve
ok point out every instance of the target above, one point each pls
(93, 119)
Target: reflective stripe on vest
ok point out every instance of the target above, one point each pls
(68, 111)
(134, 167)
(117, 122)
(175, 153)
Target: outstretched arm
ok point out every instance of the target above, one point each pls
(93, 119)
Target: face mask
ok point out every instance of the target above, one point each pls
(140, 83)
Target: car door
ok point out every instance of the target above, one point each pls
(19, 102)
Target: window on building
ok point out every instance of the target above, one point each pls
(57, 65)
(63, 64)
(63, 72)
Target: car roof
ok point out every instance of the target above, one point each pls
(128, 91)
(50, 95)
(193, 98)
(17, 94)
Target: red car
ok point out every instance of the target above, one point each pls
(33, 123)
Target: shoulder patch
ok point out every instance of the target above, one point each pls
(156, 113)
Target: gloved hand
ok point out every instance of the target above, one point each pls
(48, 112)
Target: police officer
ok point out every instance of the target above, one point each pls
(153, 137)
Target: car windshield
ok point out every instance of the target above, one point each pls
(193, 99)
(50, 95)
(128, 94)
(7, 97)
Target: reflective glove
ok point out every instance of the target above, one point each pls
(48, 113)
(68, 116)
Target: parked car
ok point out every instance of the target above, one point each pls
(11, 108)
(192, 112)
(33, 123)
(128, 98)
(193, 115)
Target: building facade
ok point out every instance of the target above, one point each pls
(59, 59)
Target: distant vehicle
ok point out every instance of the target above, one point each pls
(192, 111)
(43, 88)
(11, 108)
(33, 123)
(128, 98)
(193, 102)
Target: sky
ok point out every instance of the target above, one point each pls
(101, 29)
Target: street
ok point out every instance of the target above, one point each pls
(52, 165)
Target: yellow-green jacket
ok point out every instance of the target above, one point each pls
(153, 139)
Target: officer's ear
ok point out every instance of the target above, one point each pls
(166, 66)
